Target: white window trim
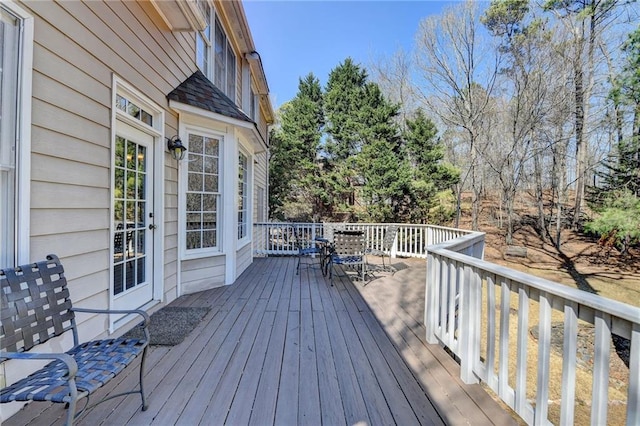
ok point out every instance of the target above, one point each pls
(23, 133)
(248, 196)
(219, 250)
(209, 43)
(121, 87)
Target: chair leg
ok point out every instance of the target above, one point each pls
(330, 268)
(364, 274)
(145, 405)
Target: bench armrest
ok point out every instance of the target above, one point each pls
(145, 316)
(72, 365)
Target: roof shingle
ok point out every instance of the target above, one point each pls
(199, 92)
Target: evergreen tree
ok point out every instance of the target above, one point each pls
(364, 143)
(294, 149)
(430, 174)
(341, 155)
(343, 101)
(344, 98)
(382, 161)
(624, 167)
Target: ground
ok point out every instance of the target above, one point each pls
(581, 262)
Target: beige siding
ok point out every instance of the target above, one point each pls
(260, 179)
(244, 258)
(78, 46)
(202, 274)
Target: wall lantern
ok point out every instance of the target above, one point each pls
(176, 148)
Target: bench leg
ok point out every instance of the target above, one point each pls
(71, 409)
(144, 400)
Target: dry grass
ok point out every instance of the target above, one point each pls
(583, 381)
(583, 264)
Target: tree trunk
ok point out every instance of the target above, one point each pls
(583, 96)
(580, 148)
(562, 184)
(509, 198)
(475, 190)
(458, 204)
(542, 226)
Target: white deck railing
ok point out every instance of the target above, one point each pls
(481, 312)
(276, 238)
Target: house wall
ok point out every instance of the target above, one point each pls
(260, 172)
(202, 274)
(244, 257)
(78, 47)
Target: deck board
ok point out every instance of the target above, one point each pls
(284, 348)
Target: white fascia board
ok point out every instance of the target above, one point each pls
(246, 127)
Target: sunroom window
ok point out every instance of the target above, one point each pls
(243, 200)
(216, 51)
(15, 41)
(203, 194)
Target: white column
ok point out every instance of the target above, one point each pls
(230, 203)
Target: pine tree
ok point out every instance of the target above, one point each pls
(341, 155)
(294, 150)
(430, 175)
(624, 167)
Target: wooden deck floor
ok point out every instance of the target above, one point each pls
(286, 349)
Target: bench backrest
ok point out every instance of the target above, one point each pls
(35, 304)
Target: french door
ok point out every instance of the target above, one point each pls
(132, 220)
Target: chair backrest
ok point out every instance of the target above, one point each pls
(328, 229)
(389, 237)
(298, 241)
(34, 304)
(349, 243)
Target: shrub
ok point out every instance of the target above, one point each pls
(618, 222)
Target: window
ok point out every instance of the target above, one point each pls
(124, 104)
(203, 193)
(16, 37)
(225, 64)
(223, 72)
(203, 42)
(243, 180)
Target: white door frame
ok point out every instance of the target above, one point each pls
(156, 130)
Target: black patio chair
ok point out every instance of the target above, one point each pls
(387, 246)
(348, 250)
(307, 249)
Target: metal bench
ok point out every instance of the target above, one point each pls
(35, 307)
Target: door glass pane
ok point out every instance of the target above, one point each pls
(129, 215)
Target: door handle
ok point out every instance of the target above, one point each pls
(152, 226)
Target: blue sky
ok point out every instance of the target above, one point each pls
(298, 37)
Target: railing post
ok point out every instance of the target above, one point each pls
(431, 294)
(468, 326)
(394, 247)
(633, 394)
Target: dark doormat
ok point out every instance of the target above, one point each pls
(170, 325)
